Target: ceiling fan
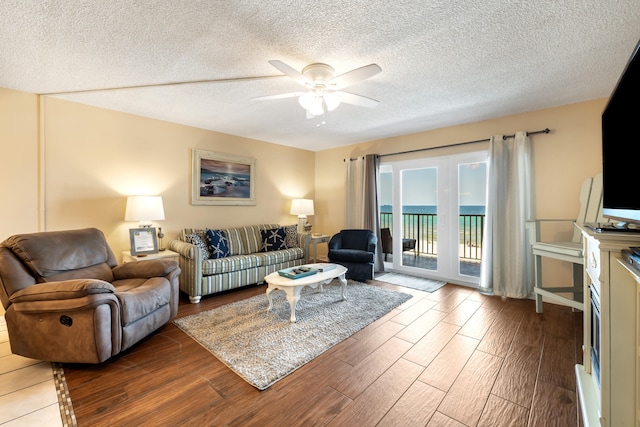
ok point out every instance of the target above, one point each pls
(323, 89)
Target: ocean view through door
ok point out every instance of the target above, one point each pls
(437, 207)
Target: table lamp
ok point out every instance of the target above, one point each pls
(302, 208)
(145, 209)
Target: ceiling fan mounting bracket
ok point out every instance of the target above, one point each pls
(318, 72)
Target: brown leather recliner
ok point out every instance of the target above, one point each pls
(67, 300)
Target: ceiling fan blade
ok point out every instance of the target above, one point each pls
(282, 95)
(359, 100)
(353, 76)
(291, 72)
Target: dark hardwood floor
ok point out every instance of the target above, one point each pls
(450, 358)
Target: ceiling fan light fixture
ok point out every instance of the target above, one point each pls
(306, 100)
(317, 109)
(332, 101)
(313, 103)
(324, 88)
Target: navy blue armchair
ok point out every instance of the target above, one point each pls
(355, 249)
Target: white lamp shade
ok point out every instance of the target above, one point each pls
(144, 209)
(302, 207)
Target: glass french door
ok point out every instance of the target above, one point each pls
(436, 207)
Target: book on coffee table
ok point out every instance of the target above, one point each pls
(322, 267)
(297, 272)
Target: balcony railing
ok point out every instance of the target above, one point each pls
(424, 228)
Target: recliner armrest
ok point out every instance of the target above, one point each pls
(63, 290)
(145, 269)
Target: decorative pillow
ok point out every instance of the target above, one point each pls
(217, 244)
(291, 236)
(274, 239)
(195, 239)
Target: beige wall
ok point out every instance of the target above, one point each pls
(19, 163)
(94, 158)
(562, 160)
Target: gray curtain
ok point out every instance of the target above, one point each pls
(362, 199)
(371, 206)
(506, 267)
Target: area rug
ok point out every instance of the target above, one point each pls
(412, 282)
(263, 347)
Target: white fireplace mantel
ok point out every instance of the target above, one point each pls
(613, 401)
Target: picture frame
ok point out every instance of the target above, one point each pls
(222, 179)
(144, 241)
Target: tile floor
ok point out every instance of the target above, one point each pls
(28, 395)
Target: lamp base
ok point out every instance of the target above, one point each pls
(160, 236)
(302, 222)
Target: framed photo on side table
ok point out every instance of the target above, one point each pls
(143, 241)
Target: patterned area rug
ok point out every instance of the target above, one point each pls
(412, 282)
(263, 347)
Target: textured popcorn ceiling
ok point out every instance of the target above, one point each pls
(444, 62)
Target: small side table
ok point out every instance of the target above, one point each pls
(127, 257)
(323, 238)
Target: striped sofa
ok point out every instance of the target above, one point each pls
(246, 264)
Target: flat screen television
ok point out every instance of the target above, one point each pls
(620, 145)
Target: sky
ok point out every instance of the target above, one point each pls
(419, 185)
(223, 166)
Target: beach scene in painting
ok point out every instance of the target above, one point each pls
(220, 178)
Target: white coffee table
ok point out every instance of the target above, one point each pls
(293, 287)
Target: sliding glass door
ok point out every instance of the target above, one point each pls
(436, 207)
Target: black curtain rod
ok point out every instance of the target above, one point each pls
(547, 130)
(353, 159)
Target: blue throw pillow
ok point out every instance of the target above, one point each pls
(274, 239)
(217, 244)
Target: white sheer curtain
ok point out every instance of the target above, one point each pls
(507, 267)
(361, 201)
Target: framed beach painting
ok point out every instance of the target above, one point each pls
(222, 179)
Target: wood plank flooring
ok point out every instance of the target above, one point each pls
(450, 358)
